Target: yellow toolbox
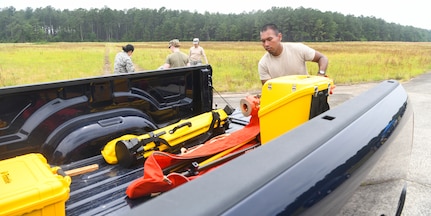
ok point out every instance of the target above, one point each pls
(289, 101)
(29, 186)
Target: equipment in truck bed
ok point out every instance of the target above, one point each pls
(287, 102)
(29, 185)
(128, 149)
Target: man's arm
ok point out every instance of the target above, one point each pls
(188, 62)
(167, 63)
(205, 56)
(263, 72)
(321, 60)
(130, 67)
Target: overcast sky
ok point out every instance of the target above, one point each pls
(411, 12)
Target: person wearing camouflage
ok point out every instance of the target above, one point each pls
(123, 63)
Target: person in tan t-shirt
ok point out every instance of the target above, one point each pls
(284, 59)
(197, 53)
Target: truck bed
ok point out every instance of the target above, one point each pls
(102, 192)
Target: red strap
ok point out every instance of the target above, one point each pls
(155, 181)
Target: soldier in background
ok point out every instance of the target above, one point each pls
(123, 61)
(197, 53)
(176, 58)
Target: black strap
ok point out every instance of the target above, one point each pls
(319, 103)
(154, 138)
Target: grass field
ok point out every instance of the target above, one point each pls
(234, 63)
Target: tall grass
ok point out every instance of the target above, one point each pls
(234, 63)
(30, 63)
(355, 62)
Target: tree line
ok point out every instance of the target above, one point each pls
(106, 25)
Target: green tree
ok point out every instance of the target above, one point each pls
(105, 24)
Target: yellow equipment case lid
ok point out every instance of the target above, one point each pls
(28, 185)
(286, 102)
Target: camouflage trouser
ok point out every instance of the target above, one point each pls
(198, 62)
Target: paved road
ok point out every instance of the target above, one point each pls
(408, 166)
(418, 179)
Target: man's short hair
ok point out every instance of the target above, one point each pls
(270, 26)
(175, 43)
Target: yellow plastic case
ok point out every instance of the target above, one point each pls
(286, 102)
(190, 128)
(29, 186)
